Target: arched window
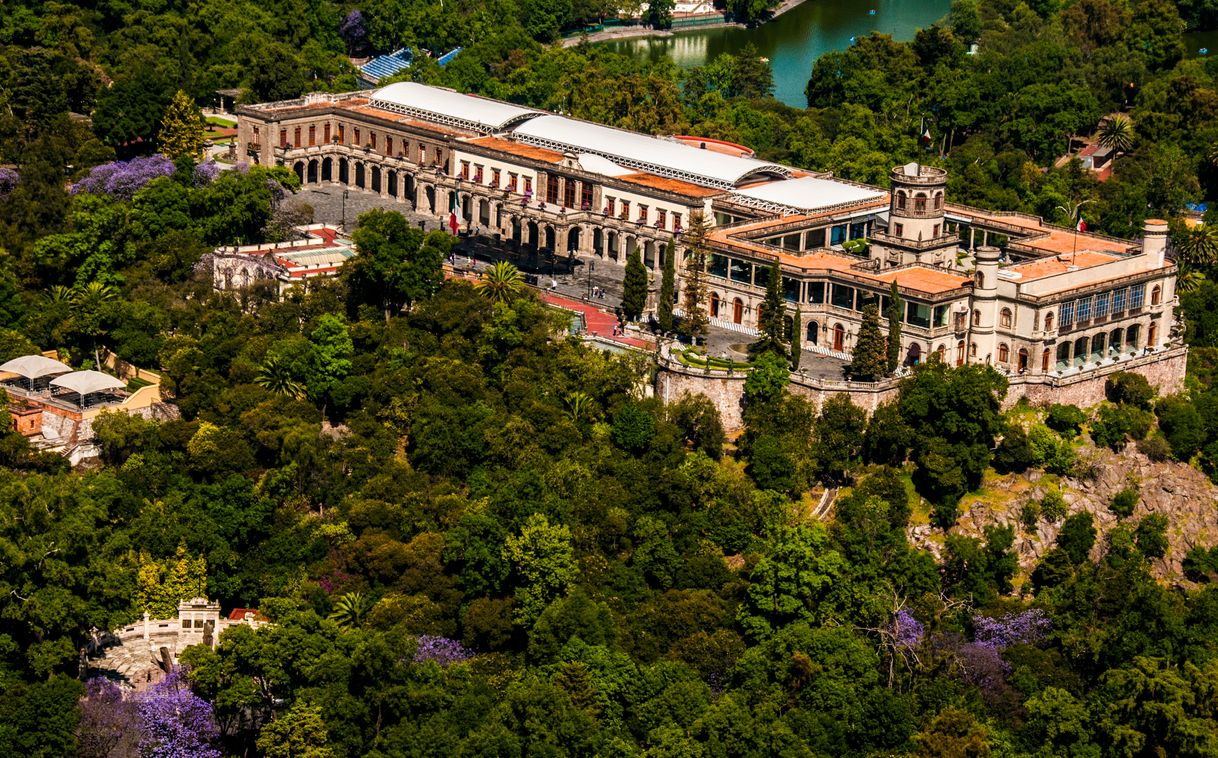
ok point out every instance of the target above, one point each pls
(1004, 353)
(1048, 322)
(737, 311)
(972, 350)
(980, 279)
(1044, 359)
(901, 200)
(839, 337)
(938, 201)
(1156, 294)
(714, 305)
(813, 332)
(919, 202)
(1004, 319)
(960, 353)
(1152, 336)
(976, 317)
(942, 352)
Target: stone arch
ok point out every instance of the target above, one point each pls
(550, 238)
(714, 305)
(359, 175)
(976, 317)
(613, 245)
(430, 194)
(1156, 295)
(376, 179)
(1099, 343)
(839, 338)
(913, 356)
(391, 179)
(813, 333)
(533, 235)
(327, 169)
(1045, 357)
(649, 254)
(1080, 351)
(1005, 318)
(737, 311)
(1023, 359)
(1063, 355)
(411, 190)
(299, 168)
(1049, 322)
(312, 172)
(516, 230)
(1132, 336)
(960, 353)
(574, 238)
(344, 171)
(484, 212)
(598, 240)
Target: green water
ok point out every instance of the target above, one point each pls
(796, 39)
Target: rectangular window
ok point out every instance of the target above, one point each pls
(552, 189)
(528, 185)
(296, 137)
(739, 271)
(643, 213)
(478, 173)
(661, 217)
(495, 177)
(941, 312)
(1082, 309)
(816, 291)
(839, 235)
(625, 210)
(1101, 305)
(843, 296)
(1137, 296)
(325, 133)
(676, 222)
(465, 169)
(388, 145)
(283, 137)
(609, 206)
(585, 195)
(1066, 317)
(858, 231)
(422, 153)
(790, 289)
(512, 182)
(312, 135)
(406, 149)
(357, 142)
(718, 266)
(1118, 301)
(439, 157)
(919, 203)
(917, 314)
(898, 230)
(372, 139)
(816, 239)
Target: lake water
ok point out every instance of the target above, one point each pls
(795, 39)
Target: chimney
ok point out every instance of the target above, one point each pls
(1154, 241)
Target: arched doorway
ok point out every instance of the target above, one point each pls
(612, 246)
(813, 332)
(327, 169)
(1080, 351)
(737, 311)
(914, 356)
(1024, 358)
(598, 241)
(376, 179)
(515, 231)
(359, 176)
(839, 338)
(1098, 343)
(550, 238)
(941, 351)
(299, 168)
(344, 171)
(960, 353)
(1115, 342)
(411, 191)
(1045, 357)
(484, 213)
(714, 305)
(391, 178)
(649, 254)
(1152, 336)
(533, 235)
(313, 168)
(573, 239)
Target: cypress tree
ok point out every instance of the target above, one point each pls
(695, 323)
(634, 286)
(668, 290)
(773, 337)
(797, 348)
(895, 305)
(870, 358)
(181, 129)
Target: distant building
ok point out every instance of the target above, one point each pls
(321, 252)
(1042, 302)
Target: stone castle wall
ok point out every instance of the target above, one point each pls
(1163, 369)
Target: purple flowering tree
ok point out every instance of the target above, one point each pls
(109, 723)
(440, 650)
(176, 723)
(206, 173)
(1026, 627)
(907, 631)
(122, 179)
(354, 31)
(9, 179)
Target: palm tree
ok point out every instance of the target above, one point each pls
(579, 406)
(1189, 282)
(276, 375)
(500, 283)
(1116, 134)
(88, 303)
(349, 610)
(1199, 246)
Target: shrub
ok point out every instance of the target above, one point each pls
(1124, 502)
(1053, 506)
(1066, 420)
(1151, 536)
(1129, 389)
(1077, 537)
(1029, 515)
(1111, 427)
(1155, 448)
(1013, 454)
(1049, 451)
(1181, 424)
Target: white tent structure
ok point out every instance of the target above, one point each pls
(34, 367)
(87, 383)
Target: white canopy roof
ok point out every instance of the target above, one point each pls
(85, 382)
(445, 106)
(654, 155)
(35, 366)
(602, 166)
(805, 195)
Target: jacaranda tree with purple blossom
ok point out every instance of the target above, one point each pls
(109, 722)
(176, 723)
(441, 650)
(9, 178)
(1024, 628)
(122, 179)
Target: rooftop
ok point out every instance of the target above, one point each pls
(1057, 264)
(518, 148)
(449, 107)
(806, 194)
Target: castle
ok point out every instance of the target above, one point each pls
(1051, 306)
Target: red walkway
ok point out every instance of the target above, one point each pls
(598, 322)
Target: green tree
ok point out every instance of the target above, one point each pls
(1116, 134)
(796, 580)
(501, 283)
(668, 290)
(1198, 246)
(1077, 536)
(773, 336)
(797, 333)
(1151, 536)
(659, 14)
(164, 584)
(896, 311)
(277, 376)
(181, 132)
(695, 322)
(350, 610)
(1124, 502)
(330, 357)
(397, 265)
(298, 733)
(543, 566)
(634, 287)
(767, 381)
(839, 439)
(869, 360)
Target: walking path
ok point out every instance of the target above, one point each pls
(639, 30)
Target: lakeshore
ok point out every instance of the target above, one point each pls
(642, 31)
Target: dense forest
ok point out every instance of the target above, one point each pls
(475, 536)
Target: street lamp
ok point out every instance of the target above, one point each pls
(591, 267)
(345, 193)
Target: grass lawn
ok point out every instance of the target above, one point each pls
(217, 121)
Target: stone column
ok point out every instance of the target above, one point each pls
(145, 626)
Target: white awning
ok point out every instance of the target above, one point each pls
(806, 194)
(86, 382)
(35, 366)
(444, 106)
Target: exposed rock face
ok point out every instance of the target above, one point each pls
(1181, 493)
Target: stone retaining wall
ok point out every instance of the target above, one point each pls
(1164, 369)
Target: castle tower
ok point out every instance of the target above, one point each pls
(917, 230)
(984, 317)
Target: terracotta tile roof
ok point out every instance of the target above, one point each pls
(674, 186)
(1064, 241)
(1039, 269)
(928, 280)
(518, 148)
(368, 110)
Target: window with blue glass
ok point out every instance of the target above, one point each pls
(718, 266)
(1137, 296)
(1101, 305)
(917, 314)
(739, 271)
(1066, 319)
(858, 231)
(816, 292)
(790, 289)
(839, 235)
(843, 297)
(1082, 309)
(1118, 301)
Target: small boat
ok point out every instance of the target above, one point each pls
(1204, 51)
(871, 12)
